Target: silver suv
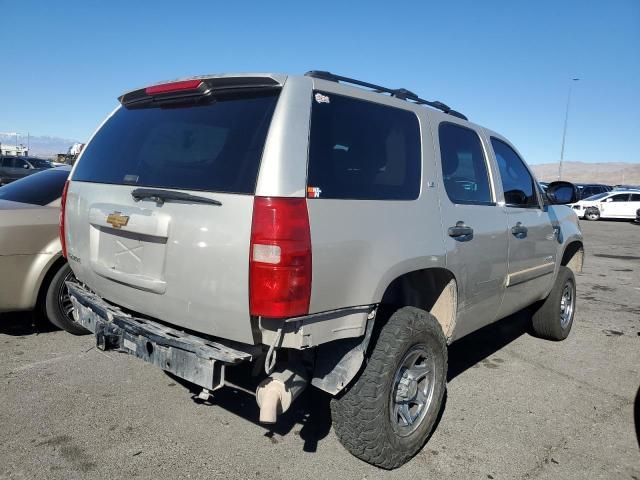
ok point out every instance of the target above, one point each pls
(333, 232)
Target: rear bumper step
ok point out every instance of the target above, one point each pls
(198, 360)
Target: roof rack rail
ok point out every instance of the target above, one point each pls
(401, 93)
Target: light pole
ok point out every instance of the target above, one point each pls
(564, 133)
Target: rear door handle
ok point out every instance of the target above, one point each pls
(519, 230)
(460, 230)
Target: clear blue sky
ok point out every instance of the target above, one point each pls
(506, 64)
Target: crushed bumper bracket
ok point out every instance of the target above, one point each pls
(196, 359)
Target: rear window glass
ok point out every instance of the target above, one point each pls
(212, 147)
(40, 188)
(362, 150)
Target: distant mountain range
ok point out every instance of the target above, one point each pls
(609, 173)
(39, 146)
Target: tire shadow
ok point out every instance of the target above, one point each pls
(477, 346)
(310, 412)
(25, 323)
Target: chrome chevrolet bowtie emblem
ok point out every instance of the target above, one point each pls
(117, 220)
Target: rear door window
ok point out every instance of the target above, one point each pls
(212, 147)
(464, 167)
(362, 150)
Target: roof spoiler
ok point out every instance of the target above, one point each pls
(194, 88)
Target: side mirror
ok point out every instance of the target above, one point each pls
(26, 166)
(561, 193)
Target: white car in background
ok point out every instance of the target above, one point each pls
(614, 204)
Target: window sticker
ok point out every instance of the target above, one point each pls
(320, 98)
(313, 192)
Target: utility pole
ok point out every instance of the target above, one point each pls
(564, 132)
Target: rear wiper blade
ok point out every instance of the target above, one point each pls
(161, 196)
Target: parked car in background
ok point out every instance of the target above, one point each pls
(586, 190)
(13, 168)
(613, 204)
(33, 271)
(336, 237)
(626, 187)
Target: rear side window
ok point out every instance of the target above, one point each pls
(40, 188)
(212, 147)
(464, 168)
(635, 197)
(517, 182)
(362, 150)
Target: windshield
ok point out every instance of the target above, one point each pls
(597, 196)
(40, 163)
(40, 188)
(212, 147)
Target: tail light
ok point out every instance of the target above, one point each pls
(280, 258)
(63, 205)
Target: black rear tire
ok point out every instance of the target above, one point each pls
(57, 305)
(553, 317)
(364, 415)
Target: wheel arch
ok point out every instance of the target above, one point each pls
(573, 256)
(47, 274)
(432, 289)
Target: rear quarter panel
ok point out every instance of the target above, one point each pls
(29, 246)
(361, 246)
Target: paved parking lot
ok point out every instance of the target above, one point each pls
(517, 406)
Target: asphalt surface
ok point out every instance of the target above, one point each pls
(517, 406)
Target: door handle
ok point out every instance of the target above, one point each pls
(519, 230)
(460, 230)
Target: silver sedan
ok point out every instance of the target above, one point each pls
(32, 269)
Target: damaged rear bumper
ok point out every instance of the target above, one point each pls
(196, 359)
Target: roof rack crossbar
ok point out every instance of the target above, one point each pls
(401, 93)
